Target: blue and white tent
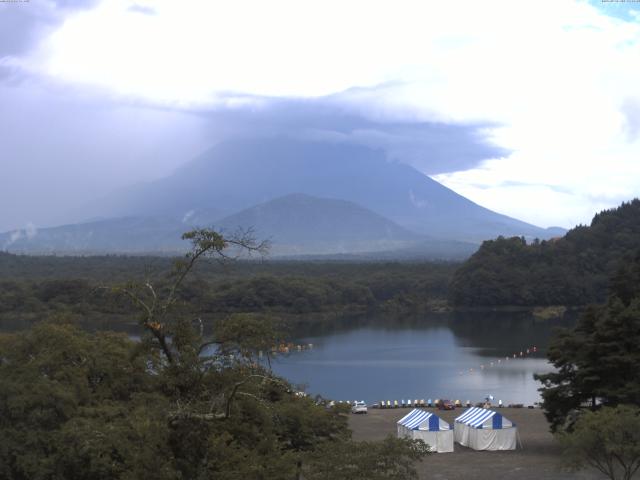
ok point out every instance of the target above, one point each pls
(428, 427)
(483, 429)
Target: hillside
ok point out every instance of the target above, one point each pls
(296, 225)
(299, 224)
(236, 175)
(309, 198)
(572, 270)
(137, 235)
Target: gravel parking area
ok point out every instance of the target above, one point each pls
(538, 459)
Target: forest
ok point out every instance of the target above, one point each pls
(81, 405)
(572, 270)
(80, 288)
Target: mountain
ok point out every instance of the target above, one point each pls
(118, 235)
(296, 225)
(299, 224)
(310, 198)
(240, 174)
(573, 270)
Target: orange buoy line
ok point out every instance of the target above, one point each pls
(502, 361)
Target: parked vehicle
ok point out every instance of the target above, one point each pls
(359, 407)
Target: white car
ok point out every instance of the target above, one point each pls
(359, 407)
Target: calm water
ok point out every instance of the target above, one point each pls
(427, 358)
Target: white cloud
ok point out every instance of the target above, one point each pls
(30, 230)
(556, 76)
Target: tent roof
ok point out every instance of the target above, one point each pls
(477, 417)
(417, 417)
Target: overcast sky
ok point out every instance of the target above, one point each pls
(530, 108)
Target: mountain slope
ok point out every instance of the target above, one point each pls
(298, 224)
(573, 270)
(117, 235)
(236, 175)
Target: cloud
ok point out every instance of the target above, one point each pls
(631, 111)
(431, 147)
(13, 238)
(29, 232)
(24, 24)
(143, 9)
(89, 144)
(188, 216)
(496, 110)
(62, 148)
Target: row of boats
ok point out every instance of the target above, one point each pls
(442, 404)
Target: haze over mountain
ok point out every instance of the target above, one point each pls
(138, 235)
(295, 225)
(309, 197)
(301, 224)
(239, 174)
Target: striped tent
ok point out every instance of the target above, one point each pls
(483, 429)
(428, 427)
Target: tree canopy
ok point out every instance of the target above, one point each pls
(572, 270)
(177, 404)
(607, 440)
(597, 361)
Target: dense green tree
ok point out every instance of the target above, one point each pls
(607, 440)
(572, 270)
(392, 458)
(178, 404)
(42, 287)
(597, 361)
(74, 405)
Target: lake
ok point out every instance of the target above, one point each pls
(434, 356)
(444, 356)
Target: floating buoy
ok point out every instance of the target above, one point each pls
(497, 362)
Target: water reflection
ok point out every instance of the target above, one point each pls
(428, 357)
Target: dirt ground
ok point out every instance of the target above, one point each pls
(538, 459)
